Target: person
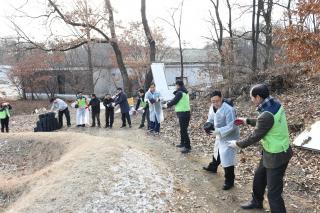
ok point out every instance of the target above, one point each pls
(222, 115)
(81, 105)
(122, 100)
(182, 108)
(95, 110)
(62, 107)
(107, 102)
(272, 129)
(153, 98)
(145, 106)
(5, 116)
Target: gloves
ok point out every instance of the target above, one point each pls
(152, 101)
(208, 127)
(165, 106)
(213, 133)
(240, 121)
(113, 104)
(233, 144)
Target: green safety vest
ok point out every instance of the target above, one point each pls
(143, 104)
(184, 104)
(4, 113)
(277, 139)
(82, 102)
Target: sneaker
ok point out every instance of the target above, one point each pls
(79, 125)
(227, 186)
(69, 125)
(93, 126)
(123, 126)
(83, 125)
(185, 150)
(180, 146)
(130, 126)
(141, 126)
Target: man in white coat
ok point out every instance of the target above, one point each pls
(223, 115)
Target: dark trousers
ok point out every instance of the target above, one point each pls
(155, 125)
(273, 179)
(60, 117)
(145, 115)
(124, 117)
(95, 115)
(109, 117)
(229, 175)
(184, 120)
(5, 124)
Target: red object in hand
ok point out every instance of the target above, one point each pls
(239, 122)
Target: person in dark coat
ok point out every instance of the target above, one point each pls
(122, 101)
(182, 108)
(145, 106)
(4, 116)
(95, 107)
(107, 102)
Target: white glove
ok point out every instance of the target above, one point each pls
(165, 106)
(233, 144)
(113, 104)
(214, 133)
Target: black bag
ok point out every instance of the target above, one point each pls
(208, 127)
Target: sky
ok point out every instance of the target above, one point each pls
(194, 23)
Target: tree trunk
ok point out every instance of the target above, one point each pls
(152, 44)
(90, 66)
(127, 84)
(181, 60)
(269, 60)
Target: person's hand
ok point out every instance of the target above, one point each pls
(165, 106)
(233, 144)
(113, 104)
(134, 112)
(213, 133)
(240, 121)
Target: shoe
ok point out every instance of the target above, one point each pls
(141, 126)
(130, 126)
(123, 126)
(93, 126)
(99, 126)
(185, 150)
(156, 133)
(252, 205)
(83, 125)
(69, 125)
(208, 169)
(227, 186)
(106, 126)
(79, 125)
(110, 127)
(180, 146)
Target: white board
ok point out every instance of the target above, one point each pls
(309, 139)
(161, 81)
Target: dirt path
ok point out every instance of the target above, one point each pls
(123, 171)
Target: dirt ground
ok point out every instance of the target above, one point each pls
(102, 170)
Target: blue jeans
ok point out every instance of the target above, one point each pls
(155, 125)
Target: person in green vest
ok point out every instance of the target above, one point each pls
(271, 129)
(4, 116)
(145, 106)
(182, 108)
(81, 105)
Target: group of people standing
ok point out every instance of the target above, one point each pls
(270, 128)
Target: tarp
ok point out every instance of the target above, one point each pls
(161, 81)
(310, 138)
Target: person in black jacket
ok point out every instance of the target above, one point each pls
(95, 107)
(182, 108)
(145, 106)
(122, 101)
(107, 102)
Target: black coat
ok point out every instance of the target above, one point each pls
(122, 101)
(95, 105)
(108, 104)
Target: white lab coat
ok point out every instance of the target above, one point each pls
(82, 115)
(223, 121)
(155, 109)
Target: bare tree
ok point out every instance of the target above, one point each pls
(151, 41)
(177, 29)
